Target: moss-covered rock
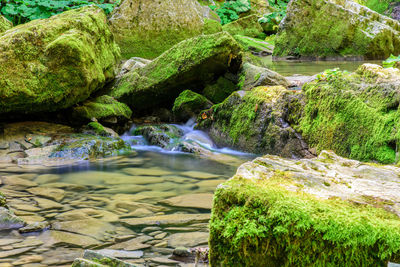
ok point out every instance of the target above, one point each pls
(246, 26)
(392, 62)
(351, 30)
(191, 64)
(148, 28)
(254, 45)
(253, 76)
(55, 63)
(102, 108)
(354, 114)
(257, 121)
(5, 24)
(319, 212)
(221, 89)
(211, 26)
(163, 135)
(189, 104)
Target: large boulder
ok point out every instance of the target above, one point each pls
(191, 64)
(148, 28)
(354, 114)
(253, 76)
(257, 121)
(54, 63)
(327, 211)
(351, 30)
(5, 24)
(189, 104)
(247, 26)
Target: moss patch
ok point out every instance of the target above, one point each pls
(264, 223)
(246, 26)
(220, 90)
(5, 24)
(188, 104)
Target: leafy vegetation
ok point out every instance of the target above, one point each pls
(230, 10)
(379, 6)
(22, 11)
(392, 61)
(274, 18)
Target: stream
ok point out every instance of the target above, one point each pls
(134, 207)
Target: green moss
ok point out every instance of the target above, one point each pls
(253, 44)
(3, 200)
(5, 24)
(102, 107)
(246, 26)
(211, 26)
(97, 128)
(192, 63)
(353, 115)
(57, 62)
(188, 104)
(220, 90)
(265, 224)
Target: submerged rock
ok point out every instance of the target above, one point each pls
(190, 64)
(5, 24)
(325, 211)
(354, 114)
(148, 28)
(55, 63)
(257, 121)
(7, 218)
(189, 104)
(315, 28)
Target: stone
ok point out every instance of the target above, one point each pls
(35, 227)
(353, 113)
(5, 24)
(182, 252)
(146, 29)
(121, 253)
(146, 172)
(133, 244)
(254, 45)
(167, 220)
(47, 178)
(188, 105)
(60, 67)
(90, 227)
(17, 182)
(246, 26)
(139, 213)
(53, 237)
(102, 108)
(164, 135)
(132, 64)
(221, 89)
(9, 241)
(87, 213)
(31, 219)
(48, 192)
(31, 241)
(14, 252)
(9, 221)
(47, 204)
(105, 259)
(28, 259)
(86, 263)
(135, 179)
(253, 76)
(199, 175)
(24, 207)
(258, 121)
(352, 30)
(163, 261)
(192, 63)
(309, 202)
(192, 239)
(197, 201)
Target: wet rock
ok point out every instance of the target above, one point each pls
(133, 244)
(34, 227)
(104, 259)
(192, 63)
(9, 221)
(164, 135)
(253, 76)
(53, 237)
(14, 252)
(352, 30)
(17, 183)
(9, 241)
(85, 263)
(27, 260)
(90, 227)
(47, 178)
(133, 64)
(47, 204)
(182, 252)
(163, 261)
(146, 172)
(188, 105)
(87, 213)
(200, 175)
(254, 45)
(121, 253)
(30, 219)
(198, 201)
(164, 220)
(64, 66)
(310, 199)
(187, 239)
(258, 121)
(48, 192)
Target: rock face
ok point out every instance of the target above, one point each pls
(5, 24)
(246, 26)
(148, 28)
(57, 62)
(320, 212)
(189, 104)
(351, 30)
(192, 63)
(354, 114)
(257, 121)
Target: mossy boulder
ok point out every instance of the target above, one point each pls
(351, 30)
(51, 64)
(148, 28)
(191, 64)
(254, 45)
(189, 104)
(5, 24)
(246, 26)
(257, 121)
(318, 212)
(221, 89)
(354, 114)
(103, 108)
(164, 135)
(253, 76)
